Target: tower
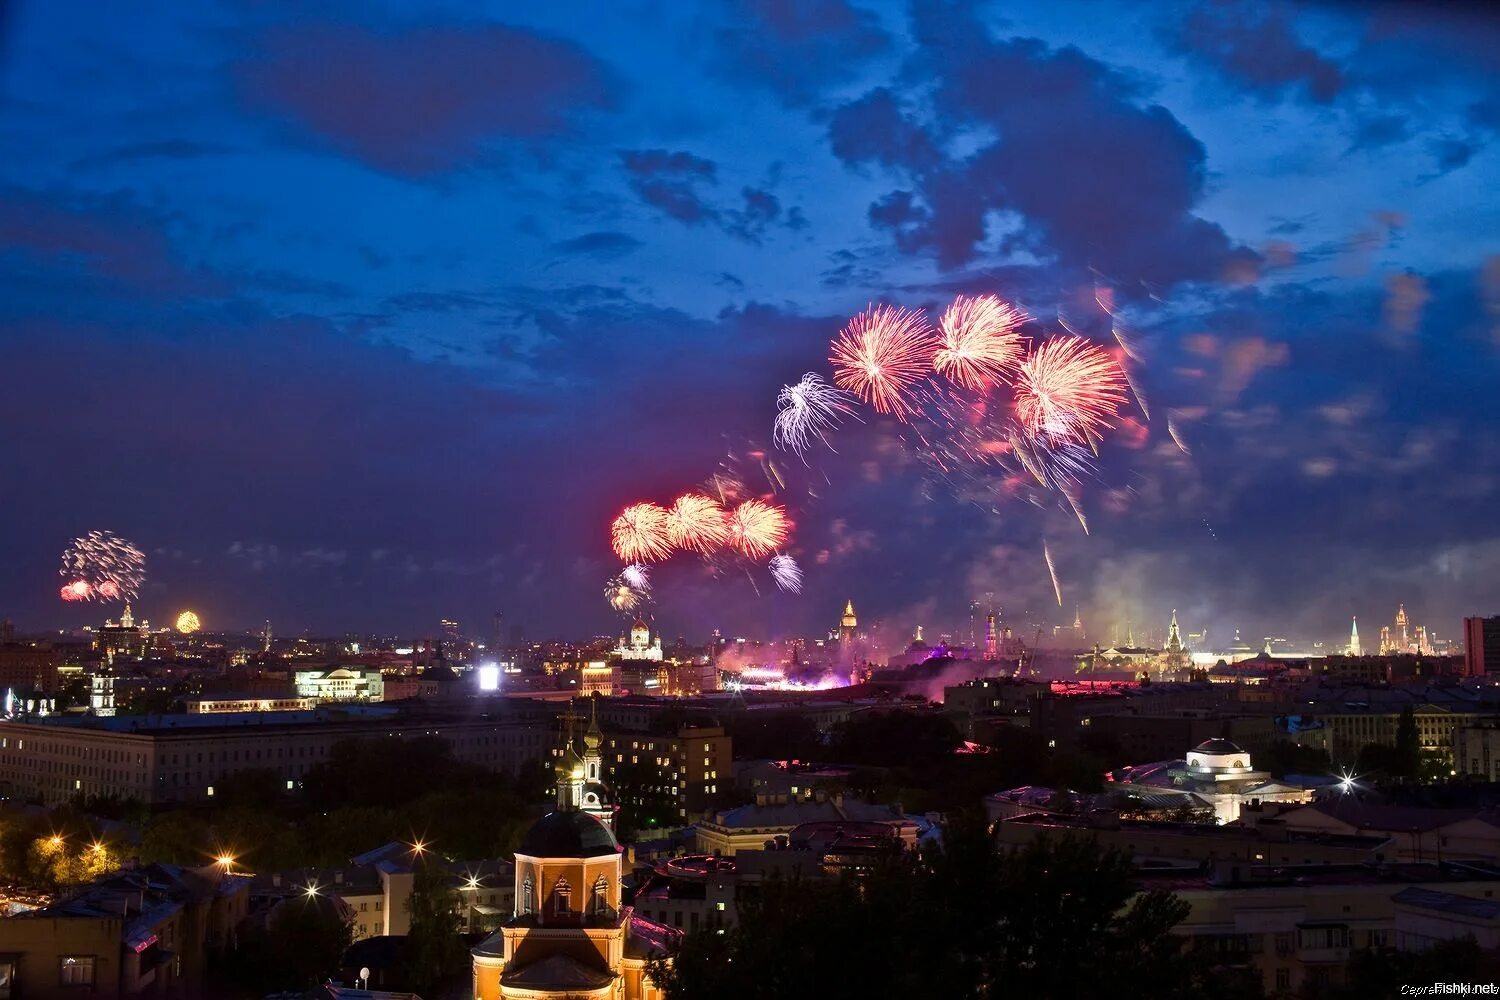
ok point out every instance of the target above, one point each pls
(1174, 638)
(847, 625)
(973, 624)
(595, 794)
(1354, 649)
(991, 641)
(1077, 624)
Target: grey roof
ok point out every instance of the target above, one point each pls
(556, 973)
(1217, 745)
(568, 835)
(1447, 902)
(791, 814)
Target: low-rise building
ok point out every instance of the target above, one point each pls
(752, 827)
(147, 932)
(1416, 833)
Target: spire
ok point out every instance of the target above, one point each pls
(1354, 649)
(848, 620)
(1174, 639)
(1077, 617)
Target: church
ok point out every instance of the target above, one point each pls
(570, 936)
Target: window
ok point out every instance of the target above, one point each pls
(562, 897)
(600, 901)
(76, 970)
(1283, 979)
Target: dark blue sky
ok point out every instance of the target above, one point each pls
(354, 315)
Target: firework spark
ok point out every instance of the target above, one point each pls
(881, 354)
(621, 596)
(639, 533)
(638, 576)
(786, 573)
(757, 528)
(1068, 388)
(188, 623)
(102, 566)
(979, 341)
(696, 523)
(808, 410)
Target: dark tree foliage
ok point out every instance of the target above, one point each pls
(1283, 757)
(1377, 972)
(299, 945)
(1055, 919)
(776, 735)
(900, 738)
(435, 953)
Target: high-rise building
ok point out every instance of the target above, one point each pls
(1481, 646)
(991, 640)
(847, 624)
(1354, 649)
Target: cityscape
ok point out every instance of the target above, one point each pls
(749, 500)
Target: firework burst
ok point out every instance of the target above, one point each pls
(637, 576)
(757, 528)
(808, 411)
(881, 355)
(697, 523)
(621, 596)
(979, 341)
(786, 573)
(639, 533)
(102, 566)
(1068, 388)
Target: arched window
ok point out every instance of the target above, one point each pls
(600, 901)
(526, 896)
(562, 897)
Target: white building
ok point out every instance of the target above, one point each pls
(341, 684)
(639, 645)
(1219, 772)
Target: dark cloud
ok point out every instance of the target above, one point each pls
(1100, 179)
(797, 47)
(678, 185)
(601, 245)
(1380, 131)
(671, 181)
(1256, 47)
(421, 100)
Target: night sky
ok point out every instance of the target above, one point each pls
(355, 315)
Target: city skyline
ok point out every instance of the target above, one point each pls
(334, 363)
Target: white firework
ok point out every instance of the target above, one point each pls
(786, 573)
(638, 577)
(808, 411)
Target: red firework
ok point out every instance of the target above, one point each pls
(757, 528)
(78, 590)
(1068, 389)
(639, 533)
(696, 523)
(979, 341)
(881, 354)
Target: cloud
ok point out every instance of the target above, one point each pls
(422, 100)
(1097, 178)
(677, 184)
(797, 48)
(601, 245)
(1257, 48)
(164, 149)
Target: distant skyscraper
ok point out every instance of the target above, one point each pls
(973, 624)
(1481, 646)
(265, 637)
(1354, 649)
(847, 624)
(991, 641)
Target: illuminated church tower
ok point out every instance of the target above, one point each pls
(594, 795)
(847, 625)
(1354, 649)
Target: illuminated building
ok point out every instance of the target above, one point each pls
(228, 702)
(28, 667)
(681, 772)
(1176, 657)
(569, 934)
(749, 827)
(1403, 637)
(847, 624)
(639, 645)
(991, 640)
(123, 638)
(1217, 773)
(1354, 649)
(340, 684)
(1481, 646)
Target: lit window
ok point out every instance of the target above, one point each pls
(76, 970)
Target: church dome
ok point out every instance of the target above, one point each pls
(568, 835)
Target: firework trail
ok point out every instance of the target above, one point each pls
(102, 566)
(1052, 569)
(757, 528)
(979, 341)
(786, 573)
(881, 355)
(808, 411)
(1176, 434)
(1073, 502)
(1135, 390)
(1127, 343)
(697, 523)
(1068, 388)
(639, 533)
(638, 577)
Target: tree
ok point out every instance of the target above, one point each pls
(434, 950)
(1055, 918)
(1283, 757)
(1408, 744)
(300, 943)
